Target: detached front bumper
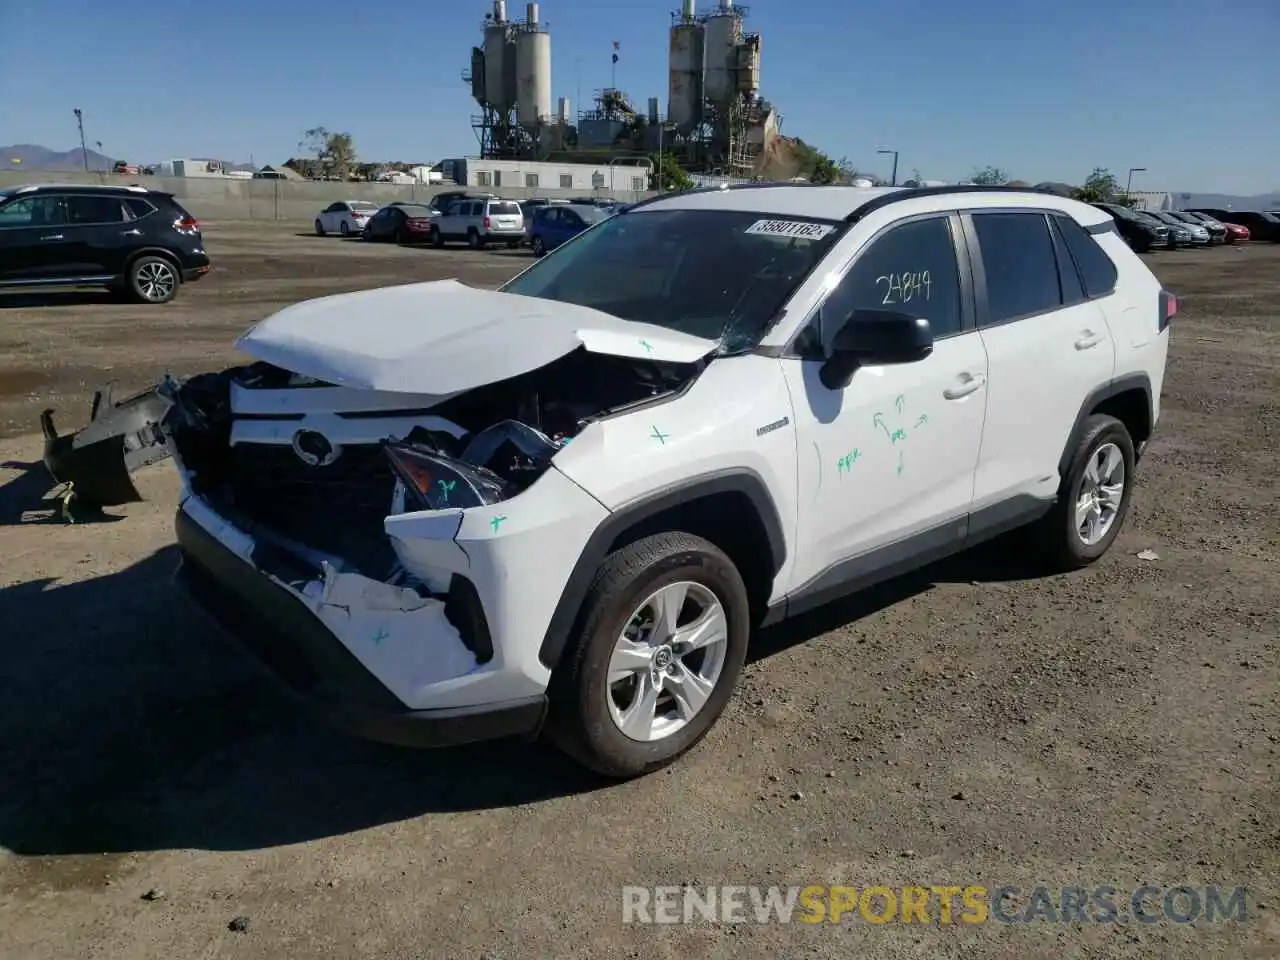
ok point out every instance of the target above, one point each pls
(301, 652)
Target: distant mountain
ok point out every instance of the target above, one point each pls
(29, 156)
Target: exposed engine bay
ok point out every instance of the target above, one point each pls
(331, 495)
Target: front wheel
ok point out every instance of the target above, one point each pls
(1093, 498)
(153, 280)
(319, 229)
(539, 248)
(437, 240)
(660, 646)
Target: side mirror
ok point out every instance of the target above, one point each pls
(871, 338)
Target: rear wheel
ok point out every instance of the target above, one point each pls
(473, 239)
(539, 248)
(319, 229)
(659, 648)
(1093, 498)
(436, 239)
(345, 229)
(153, 280)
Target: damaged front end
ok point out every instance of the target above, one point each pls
(384, 514)
(95, 464)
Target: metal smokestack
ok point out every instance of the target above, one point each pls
(500, 11)
(688, 12)
(532, 11)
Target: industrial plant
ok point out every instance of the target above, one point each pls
(715, 120)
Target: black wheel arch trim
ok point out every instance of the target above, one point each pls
(737, 480)
(1132, 381)
(161, 252)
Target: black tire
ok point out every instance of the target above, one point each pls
(319, 229)
(1056, 536)
(345, 229)
(539, 248)
(153, 280)
(473, 239)
(399, 236)
(437, 240)
(578, 720)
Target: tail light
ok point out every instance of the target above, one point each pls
(418, 223)
(487, 223)
(1168, 308)
(187, 224)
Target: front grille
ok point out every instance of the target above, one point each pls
(337, 508)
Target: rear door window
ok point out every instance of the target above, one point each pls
(88, 210)
(1020, 265)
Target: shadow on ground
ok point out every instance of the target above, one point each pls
(126, 725)
(57, 298)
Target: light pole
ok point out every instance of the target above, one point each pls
(893, 179)
(1129, 182)
(662, 126)
(84, 153)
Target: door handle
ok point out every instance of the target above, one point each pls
(965, 385)
(1090, 339)
(135, 232)
(52, 236)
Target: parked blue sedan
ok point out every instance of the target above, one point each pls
(558, 222)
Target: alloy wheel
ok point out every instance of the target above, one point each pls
(666, 663)
(156, 281)
(1101, 494)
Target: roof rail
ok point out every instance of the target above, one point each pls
(31, 187)
(912, 193)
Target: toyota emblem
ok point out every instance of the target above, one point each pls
(314, 449)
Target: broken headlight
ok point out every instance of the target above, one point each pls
(432, 481)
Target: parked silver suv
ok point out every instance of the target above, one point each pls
(480, 222)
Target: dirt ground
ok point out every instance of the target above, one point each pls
(964, 726)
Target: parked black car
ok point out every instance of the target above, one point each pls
(1141, 234)
(1262, 226)
(138, 241)
(400, 222)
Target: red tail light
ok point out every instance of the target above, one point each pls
(1168, 308)
(187, 223)
(418, 223)
(486, 223)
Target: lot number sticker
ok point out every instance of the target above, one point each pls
(797, 229)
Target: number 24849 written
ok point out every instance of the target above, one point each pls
(904, 287)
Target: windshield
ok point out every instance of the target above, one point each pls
(718, 274)
(1124, 213)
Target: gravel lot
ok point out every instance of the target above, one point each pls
(966, 726)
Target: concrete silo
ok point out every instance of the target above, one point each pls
(722, 33)
(533, 71)
(684, 62)
(496, 33)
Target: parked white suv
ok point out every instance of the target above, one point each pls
(565, 505)
(480, 222)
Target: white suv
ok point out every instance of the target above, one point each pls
(564, 506)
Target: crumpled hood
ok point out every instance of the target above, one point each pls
(443, 337)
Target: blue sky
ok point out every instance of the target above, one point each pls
(1189, 89)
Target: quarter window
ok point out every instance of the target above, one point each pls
(1097, 271)
(530, 179)
(566, 181)
(1020, 264)
(911, 268)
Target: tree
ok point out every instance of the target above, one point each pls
(824, 169)
(668, 174)
(334, 153)
(848, 170)
(1100, 187)
(989, 177)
